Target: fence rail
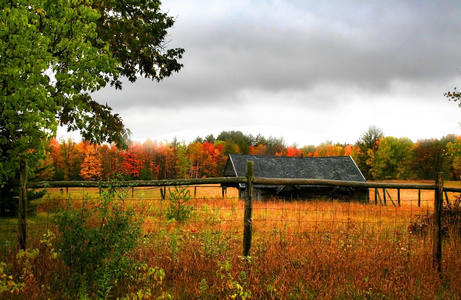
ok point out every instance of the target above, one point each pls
(137, 183)
(221, 180)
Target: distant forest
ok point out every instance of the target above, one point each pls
(379, 157)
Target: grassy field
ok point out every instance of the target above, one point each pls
(300, 250)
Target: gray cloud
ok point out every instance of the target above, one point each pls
(315, 53)
(274, 48)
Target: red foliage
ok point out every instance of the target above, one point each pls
(292, 151)
(131, 163)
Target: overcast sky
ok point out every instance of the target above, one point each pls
(307, 71)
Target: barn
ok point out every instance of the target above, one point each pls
(328, 168)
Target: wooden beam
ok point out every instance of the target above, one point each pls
(390, 196)
(172, 182)
(379, 197)
(358, 184)
(235, 180)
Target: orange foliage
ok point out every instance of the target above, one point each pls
(348, 150)
(292, 151)
(92, 164)
(258, 150)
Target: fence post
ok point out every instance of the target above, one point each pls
(419, 196)
(437, 228)
(247, 220)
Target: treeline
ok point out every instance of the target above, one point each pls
(379, 157)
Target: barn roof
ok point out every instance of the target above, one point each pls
(328, 168)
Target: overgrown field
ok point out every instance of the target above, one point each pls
(193, 249)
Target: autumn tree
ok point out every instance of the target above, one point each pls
(111, 160)
(72, 155)
(260, 149)
(220, 157)
(348, 150)
(335, 150)
(324, 149)
(147, 152)
(171, 157)
(91, 168)
(194, 151)
(308, 150)
(209, 163)
(131, 165)
(293, 151)
(213, 159)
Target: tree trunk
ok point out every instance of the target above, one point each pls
(22, 211)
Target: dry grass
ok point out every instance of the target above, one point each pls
(300, 250)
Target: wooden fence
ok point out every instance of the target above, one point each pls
(249, 180)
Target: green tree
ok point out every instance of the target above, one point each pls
(46, 66)
(392, 159)
(368, 141)
(235, 137)
(53, 54)
(183, 163)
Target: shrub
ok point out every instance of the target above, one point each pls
(95, 242)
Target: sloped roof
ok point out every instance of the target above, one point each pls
(328, 168)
